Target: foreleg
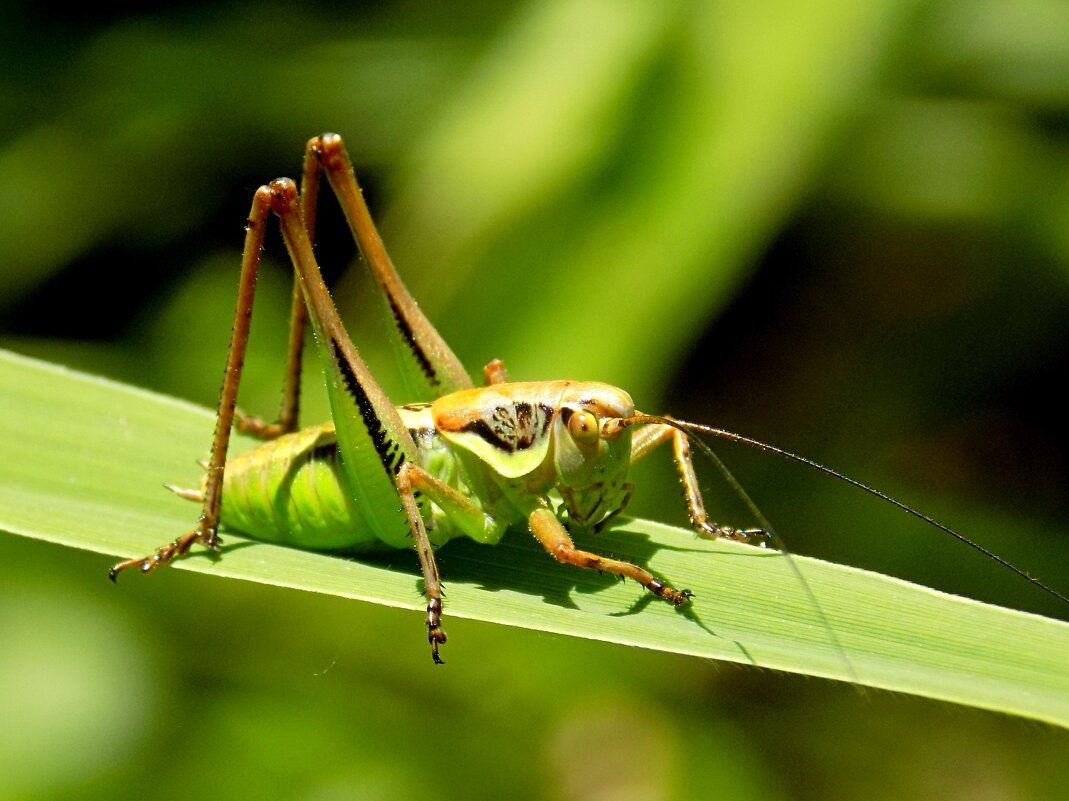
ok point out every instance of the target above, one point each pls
(648, 437)
(549, 531)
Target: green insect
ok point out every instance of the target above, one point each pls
(470, 461)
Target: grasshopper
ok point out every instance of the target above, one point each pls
(468, 461)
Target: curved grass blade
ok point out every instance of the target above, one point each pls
(82, 460)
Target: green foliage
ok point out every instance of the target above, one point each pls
(839, 227)
(80, 455)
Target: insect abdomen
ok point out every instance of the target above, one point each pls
(291, 491)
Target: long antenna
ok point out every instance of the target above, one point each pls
(731, 436)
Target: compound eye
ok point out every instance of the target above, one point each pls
(583, 426)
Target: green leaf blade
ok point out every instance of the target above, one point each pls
(82, 460)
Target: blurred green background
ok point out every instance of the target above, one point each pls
(840, 227)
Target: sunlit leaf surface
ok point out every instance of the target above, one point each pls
(83, 459)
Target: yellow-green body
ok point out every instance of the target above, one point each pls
(499, 447)
(292, 491)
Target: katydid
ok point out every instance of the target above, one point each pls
(468, 461)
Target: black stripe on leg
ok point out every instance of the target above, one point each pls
(389, 451)
(410, 339)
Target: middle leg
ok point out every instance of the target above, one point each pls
(412, 479)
